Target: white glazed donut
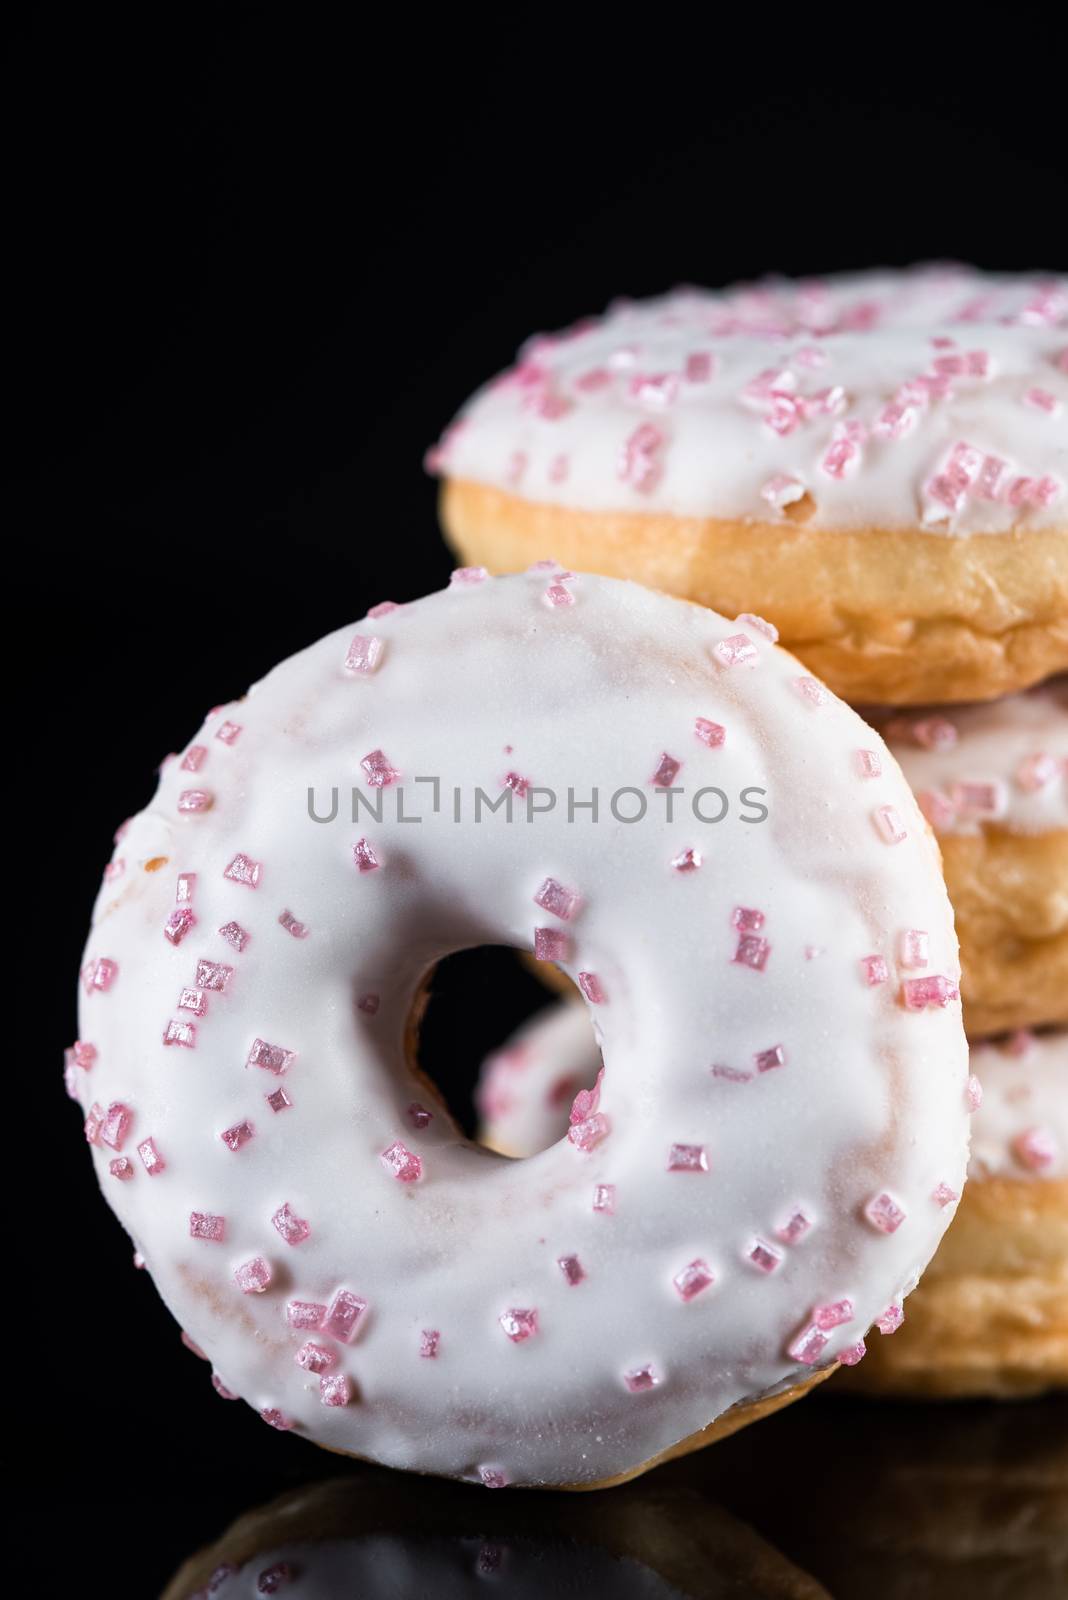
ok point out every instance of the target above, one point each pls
(783, 1117)
(992, 781)
(876, 462)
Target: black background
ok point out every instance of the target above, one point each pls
(259, 264)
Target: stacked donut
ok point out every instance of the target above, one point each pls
(878, 464)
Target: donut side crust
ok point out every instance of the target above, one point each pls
(894, 616)
(990, 1316)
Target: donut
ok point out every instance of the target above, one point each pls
(991, 1315)
(357, 1536)
(875, 462)
(764, 1170)
(993, 782)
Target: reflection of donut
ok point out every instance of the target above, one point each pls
(993, 782)
(876, 463)
(991, 1315)
(784, 1051)
(359, 1537)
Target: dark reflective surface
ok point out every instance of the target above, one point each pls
(830, 1497)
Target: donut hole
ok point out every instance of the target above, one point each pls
(474, 1001)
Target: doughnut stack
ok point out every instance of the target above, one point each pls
(878, 464)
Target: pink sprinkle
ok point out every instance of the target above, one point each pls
(276, 1419)
(889, 825)
(556, 900)
(890, 1320)
(917, 994)
(519, 1324)
(767, 1060)
(698, 367)
(875, 968)
(939, 811)
(241, 1132)
(640, 461)
(223, 1392)
(794, 1229)
(364, 653)
(192, 801)
(666, 772)
(687, 860)
(202, 1225)
(832, 1316)
(752, 951)
(592, 988)
(368, 1004)
(294, 1229)
(693, 1279)
(596, 378)
(572, 1269)
(758, 624)
(288, 921)
(556, 595)
(278, 1100)
(383, 609)
(272, 1057)
(782, 490)
(122, 1167)
(99, 975)
(1020, 1043)
(587, 1134)
(586, 1101)
(335, 1389)
(973, 1093)
(914, 948)
(193, 1000)
(344, 1316)
(517, 784)
(304, 1314)
(943, 1195)
(193, 759)
(604, 1197)
(243, 869)
(808, 1345)
(1036, 772)
(235, 935)
(710, 733)
(402, 1163)
(657, 389)
(364, 857)
(641, 1379)
(315, 1357)
(418, 1115)
(764, 1256)
(550, 944)
(213, 975)
(81, 1054)
(559, 467)
(271, 1579)
(731, 1074)
(178, 924)
(228, 732)
(493, 1477)
(116, 1125)
(737, 650)
(114, 869)
(854, 1353)
(1036, 1149)
(935, 733)
(981, 800)
(468, 577)
(687, 1158)
(151, 1159)
(379, 770)
(1042, 400)
(991, 479)
(429, 1342)
(842, 453)
(93, 1123)
(746, 919)
(884, 1213)
(812, 690)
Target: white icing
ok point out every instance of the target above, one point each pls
(871, 1096)
(718, 452)
(1024, 1083)
(995, 742)
(1025, 1086)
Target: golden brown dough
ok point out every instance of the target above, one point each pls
(896, 617)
